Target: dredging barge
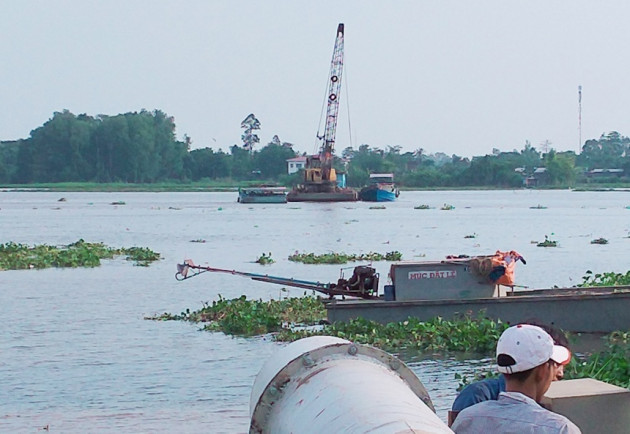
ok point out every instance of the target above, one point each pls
(456, 287)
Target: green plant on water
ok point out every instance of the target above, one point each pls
(471, 236)
(15, 256)
(611, 365)
(477, 335)
(447, 207)
(422, 207)
(343, 258)
(378, 207)
(142, 256)
(265, 259)
(467, 334)
(118, 202)
(547, 243)
(244, 317)
(605, 279)
(599, 241)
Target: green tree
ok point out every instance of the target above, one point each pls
(560, 167)
(205, 163)
(272, 159)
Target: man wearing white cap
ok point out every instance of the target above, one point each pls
(527, 357)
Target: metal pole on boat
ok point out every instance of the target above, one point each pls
(328, 384)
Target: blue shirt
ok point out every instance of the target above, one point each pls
(513, 412)
(480, 391)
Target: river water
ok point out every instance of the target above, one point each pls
(76, 354)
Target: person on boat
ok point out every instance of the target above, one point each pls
(490, 388)
(528, 359)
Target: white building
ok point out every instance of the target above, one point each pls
(295, 164)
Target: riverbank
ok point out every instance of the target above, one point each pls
(223, 186)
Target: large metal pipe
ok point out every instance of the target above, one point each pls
(326, 384)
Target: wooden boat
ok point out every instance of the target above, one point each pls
(262, 195)
(380, 189)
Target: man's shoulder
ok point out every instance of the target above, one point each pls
(517, 415)
(480, 391)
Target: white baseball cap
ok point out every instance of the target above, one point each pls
(527, 347)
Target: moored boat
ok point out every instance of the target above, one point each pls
(456, 287)
(262, 195)
(380, 189)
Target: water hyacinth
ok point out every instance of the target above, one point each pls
(605, 279)
(343, 258)
(295, 318)
(244, 317)
(15, 256)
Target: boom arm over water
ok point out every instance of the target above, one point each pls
(362, 284)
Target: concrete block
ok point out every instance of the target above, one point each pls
(594, 406)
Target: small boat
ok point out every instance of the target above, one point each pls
(262, 195)
(380, 189)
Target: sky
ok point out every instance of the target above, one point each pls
(458, 77)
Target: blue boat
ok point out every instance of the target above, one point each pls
(380, 189)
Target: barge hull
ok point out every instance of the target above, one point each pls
(338, 196)
(593, 312)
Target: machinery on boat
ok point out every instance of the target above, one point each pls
(453, 278)
(320, 182)
(362, 284)
(456, 286)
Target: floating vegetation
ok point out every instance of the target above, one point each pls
(265, 259)
(118, 202)
(378, 207)
(599, 241)
(61, 199)
(539, 206)
(244, 317)
(471, 236)
(14, 256)
(547, 243)
(466, 334)
(198, 240)
(422, 207)
(447, 207)
(611, 365)
(342, 258)
(605, 279)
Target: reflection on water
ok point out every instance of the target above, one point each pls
(77, 355)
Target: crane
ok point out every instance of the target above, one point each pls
(320, 178)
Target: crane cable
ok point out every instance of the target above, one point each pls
(348, 102)
(317, 147)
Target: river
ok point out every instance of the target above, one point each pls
(76, 354)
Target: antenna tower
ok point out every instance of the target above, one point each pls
(579, 118)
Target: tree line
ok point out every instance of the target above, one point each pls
(141, 147)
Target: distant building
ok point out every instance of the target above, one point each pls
(604, 173)
(295, 164)
(538, 177)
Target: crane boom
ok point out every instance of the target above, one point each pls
(334, 88)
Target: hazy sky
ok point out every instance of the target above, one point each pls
(458, 77)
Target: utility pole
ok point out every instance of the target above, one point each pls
(579, 118)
